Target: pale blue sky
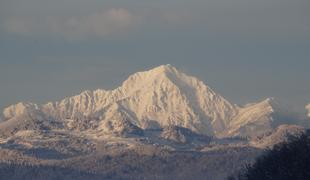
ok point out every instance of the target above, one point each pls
(246, 51)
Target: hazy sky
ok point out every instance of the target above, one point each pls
(244, 50)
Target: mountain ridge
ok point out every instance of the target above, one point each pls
(162, 96)
(261, 117)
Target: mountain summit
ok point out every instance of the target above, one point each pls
(153, 99)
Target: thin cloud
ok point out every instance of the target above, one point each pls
(112, 22)
(100, 24)
(178, 17)
(21, 26)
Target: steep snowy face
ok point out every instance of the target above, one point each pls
(260, 118)
(171, 97)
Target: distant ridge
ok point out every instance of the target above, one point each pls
(261, 118)
(164, 96)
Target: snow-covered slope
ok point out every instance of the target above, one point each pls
(31, 114)
(260, 118)
(161, 96)
(281, 133)
(18, 109)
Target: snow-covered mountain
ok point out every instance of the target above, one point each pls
(161, 96)
(164, 96)
(261, 118)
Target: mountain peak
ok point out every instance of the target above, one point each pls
(270, 101)
(19, 108)
(273, 103)
(276, 104)
(153, 77)
(165, 68)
